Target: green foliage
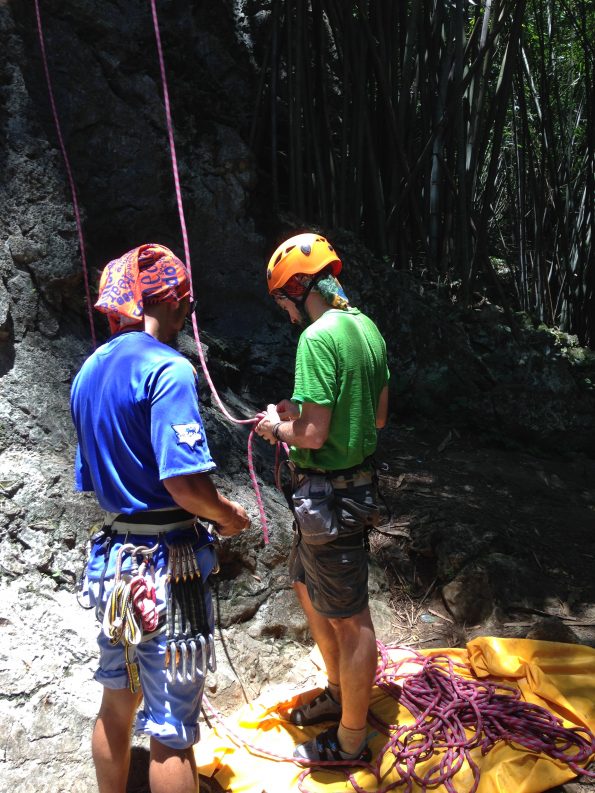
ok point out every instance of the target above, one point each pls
(455, 139)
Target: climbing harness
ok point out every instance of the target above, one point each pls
(189, 639)
(131, 614)
(130, 610)
(453, 714)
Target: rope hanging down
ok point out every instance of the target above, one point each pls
(75, 204)
(203, 363)
(79, 227)
(452, 716)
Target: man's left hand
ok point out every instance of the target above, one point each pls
(264, 428)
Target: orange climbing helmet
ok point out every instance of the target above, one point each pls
(304, 254)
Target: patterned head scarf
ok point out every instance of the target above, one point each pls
(332, 291)
(328, 286)
(144, 276)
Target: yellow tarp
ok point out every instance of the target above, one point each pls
(559, 677)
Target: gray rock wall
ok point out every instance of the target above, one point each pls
(112, 116)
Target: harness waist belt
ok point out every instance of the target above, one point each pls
(355, 540)
(342, 482)
(357, 479)
(359, 475)
(150, 521)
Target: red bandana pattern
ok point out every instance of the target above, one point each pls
(145, 275)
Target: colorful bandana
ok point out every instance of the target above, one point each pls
(332, 291)
(328, 286)
(146, 275)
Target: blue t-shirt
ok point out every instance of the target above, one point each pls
(135, 407)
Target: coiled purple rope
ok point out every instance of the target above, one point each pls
(445, 705)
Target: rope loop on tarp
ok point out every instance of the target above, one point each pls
(455, 716)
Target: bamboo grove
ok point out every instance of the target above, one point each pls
(456, 138)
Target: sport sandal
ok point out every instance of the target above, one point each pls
(325, 747)
(322, 708)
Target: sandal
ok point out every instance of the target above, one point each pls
(325, 747)
(322, 708)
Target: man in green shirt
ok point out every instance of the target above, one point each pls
(339, 401)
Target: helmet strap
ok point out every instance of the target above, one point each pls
(300, 302)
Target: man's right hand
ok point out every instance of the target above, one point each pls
(288, 410)
(238, 521)
(197, 494)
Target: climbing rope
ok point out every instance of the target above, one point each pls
(75, 204)
(452, 715)
(172, 144)
(174, 161)
(252, 421)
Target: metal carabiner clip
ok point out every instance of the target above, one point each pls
(212, 657)
(203, 655)
(184, 659)
(173, 662)
(192, 646)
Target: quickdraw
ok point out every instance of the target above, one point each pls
(130, 609)
(189, 639)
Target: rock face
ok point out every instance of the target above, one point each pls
(112, 118)
(106, 82)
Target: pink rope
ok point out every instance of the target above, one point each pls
(446, 706)
(263, 520)
(203, 363)
(79, 227)
(75, 204)
(172, 143)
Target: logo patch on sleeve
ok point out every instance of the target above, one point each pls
(190, 434)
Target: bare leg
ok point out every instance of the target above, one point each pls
(358, 659)
(172, 770)
(348, 648)
(323, 634)
(111, 739)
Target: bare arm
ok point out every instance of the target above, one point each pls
(197, 494)
(382, 409)
(308, 431)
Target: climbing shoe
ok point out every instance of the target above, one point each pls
(322, 708)
(325, 747)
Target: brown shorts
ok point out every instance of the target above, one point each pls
(336, 573)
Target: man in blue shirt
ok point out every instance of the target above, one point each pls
(142, 449)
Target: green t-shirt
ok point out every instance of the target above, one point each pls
(341, 363)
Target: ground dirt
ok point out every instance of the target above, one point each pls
(534, 507)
